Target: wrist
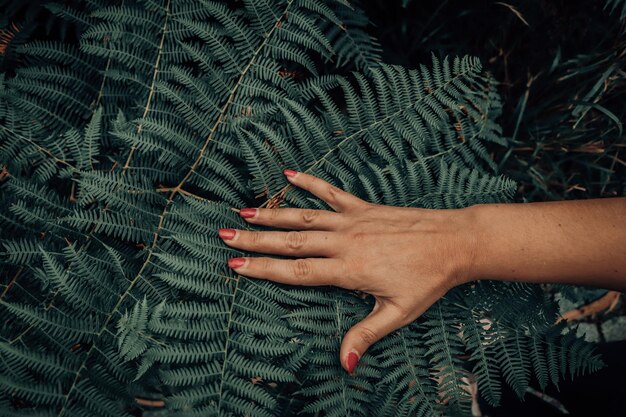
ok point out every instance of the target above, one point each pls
(460, 243)
(474, 234)
(495, 228)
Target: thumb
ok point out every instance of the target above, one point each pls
(383, 319)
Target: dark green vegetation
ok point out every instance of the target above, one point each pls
(128, 131)
(560, 65)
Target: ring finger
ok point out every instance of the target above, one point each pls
(302, 271)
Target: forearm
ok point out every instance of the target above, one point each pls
(569, 242)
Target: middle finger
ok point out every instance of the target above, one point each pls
(294, 243)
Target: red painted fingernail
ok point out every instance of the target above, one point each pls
(226, 234)
(236, 262)
(351, 361)
(247, 213)
(290, 172)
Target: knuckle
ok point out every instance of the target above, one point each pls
(358, 236)
(302, 268)
(367, 335)
(295, 240)
(308, 216)
(264, 263)
(333, 191)
(255, 238)
(272, 214)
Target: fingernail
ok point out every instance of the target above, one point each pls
(290, 172)
(351, 361)
(247, 213)
(235, 263)
(226, 234)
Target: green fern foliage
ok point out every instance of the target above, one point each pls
(124, 152)
(616, 6)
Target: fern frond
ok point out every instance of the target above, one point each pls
(121, 157)
(444, 348)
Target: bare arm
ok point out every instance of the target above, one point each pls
(408, 258)
(573, 242)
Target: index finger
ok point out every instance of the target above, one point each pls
(293, 218)
(338, 199)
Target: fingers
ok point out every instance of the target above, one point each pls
(291, 218)
(380, 322)
(302, 271)
(338, 199)
(312, 243)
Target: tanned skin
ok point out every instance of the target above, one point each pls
(408, 258)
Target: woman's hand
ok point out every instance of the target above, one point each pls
(407, 258)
